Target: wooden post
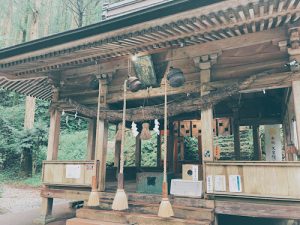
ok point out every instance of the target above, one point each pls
(101, 139)
(158, 154)
(182, 148)
(207, 136)
(138, 152)
(54, 130)
(171, 148)
(101, 152)
(206, 116)
(236, 134)
(256, 143)
(175, 166)
(91, 140)
(200, 152)
(46, 212)
(296, 96)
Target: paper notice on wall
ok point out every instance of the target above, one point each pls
(195, 172)
(220, 183)
(235, 183)
(273, 144)
(73, 171)
(209, 184)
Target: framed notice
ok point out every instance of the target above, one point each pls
(209, 184)
(220, 183)
(73, 171)
(235, 183)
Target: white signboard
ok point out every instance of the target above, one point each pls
(273, 144)
(195, 172)
(220, 183)
(235, 183)
(209, 184)
(73, 171)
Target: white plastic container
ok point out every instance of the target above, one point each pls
(186, 188)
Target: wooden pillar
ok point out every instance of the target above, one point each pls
(182, 148)
(207, 137)
(54, 131)
(296, 96)
(91, 140)
(206, 115)
(102, 138)
(175, 159)
(256, 143)
(171, 148)
(138, 152)
(101, 152)
(236, 134)
(46, 211)
(200, 152)
(158, 153)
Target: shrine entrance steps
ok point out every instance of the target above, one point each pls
(143, 211)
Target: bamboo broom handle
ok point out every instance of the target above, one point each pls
(165, 133)
(123, 130)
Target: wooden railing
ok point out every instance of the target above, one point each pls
(254, 179)
(68, 173)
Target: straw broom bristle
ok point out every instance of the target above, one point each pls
(93, 199)
(94, 195)
(165, 209)
(120, 201)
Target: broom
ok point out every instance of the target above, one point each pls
(120, 201)
(165, 208)
(94, 195)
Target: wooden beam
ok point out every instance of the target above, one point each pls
(268, 209)
(264, 81)
(176, 108)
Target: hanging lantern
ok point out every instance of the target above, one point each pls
(119, 132)
(145, 134)
(175, 77)
(134, 84)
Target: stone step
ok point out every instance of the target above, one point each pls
(133, 218)
(79, 221)
(181, 212)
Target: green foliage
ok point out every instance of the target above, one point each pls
(72, 145)
(149, 151)
(191, 148)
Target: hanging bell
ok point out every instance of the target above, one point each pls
(119, 132)
(145, 134)
(134, 84)
(175, 77)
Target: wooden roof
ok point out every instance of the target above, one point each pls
(211, 28)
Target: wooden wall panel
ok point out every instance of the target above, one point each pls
(260, 179)
(54, 173)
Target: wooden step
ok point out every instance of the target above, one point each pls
(133, 218)
(79, 221)
(181, 212)
(154, 199)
